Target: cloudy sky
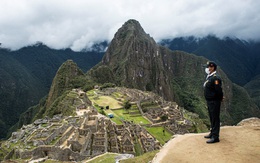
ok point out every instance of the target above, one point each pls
(81, 23)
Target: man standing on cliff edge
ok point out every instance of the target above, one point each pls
(213, 95)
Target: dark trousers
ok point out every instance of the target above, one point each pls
(214, 111)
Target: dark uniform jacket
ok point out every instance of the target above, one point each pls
(213, 89)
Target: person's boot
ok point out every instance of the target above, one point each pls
(213, 140)
(208, 136)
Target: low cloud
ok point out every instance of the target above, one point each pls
(81, 23)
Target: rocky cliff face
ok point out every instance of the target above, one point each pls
(134, 60)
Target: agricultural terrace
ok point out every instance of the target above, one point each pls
(160, 134)
(116, 107)
(108, 101)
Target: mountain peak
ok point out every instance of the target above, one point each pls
(63, 80)
(132, 25)
(131, 28)
(131, 36)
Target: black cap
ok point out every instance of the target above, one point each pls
(211, 64)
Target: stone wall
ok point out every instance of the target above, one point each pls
(87, 143)
(9, 155)
(52, 152)
(65, 136)
(55, 134)
(74, 145)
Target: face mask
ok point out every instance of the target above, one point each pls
(207, 71)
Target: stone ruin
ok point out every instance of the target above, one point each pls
(175, 123)
(76, 138)
(86, 137)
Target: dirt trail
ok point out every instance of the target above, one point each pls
(238, 144)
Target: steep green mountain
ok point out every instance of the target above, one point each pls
(134, 60)
(238, 58)
(43, 62)
(26, 76)
(19, 89)
(68, 76)
(253, 88)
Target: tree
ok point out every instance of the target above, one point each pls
(164, 117)
(127, 105)
(163, 132)
(102, 112)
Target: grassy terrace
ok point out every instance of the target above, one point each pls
(123, 114)
(116, 108)
(108, 101)
(157, 132)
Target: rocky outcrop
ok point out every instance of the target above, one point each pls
(254, 121)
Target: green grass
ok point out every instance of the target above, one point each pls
(117, 95)
(121, 114)
(157, 132)
(106, 158)
(141, 159)
(44, 125)
(3, 150)
(72, 94)
(116, 119)
(136, 119)
(113, 104)
(107, 101)
(91, 93)
(134, 107)
(138, 149)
